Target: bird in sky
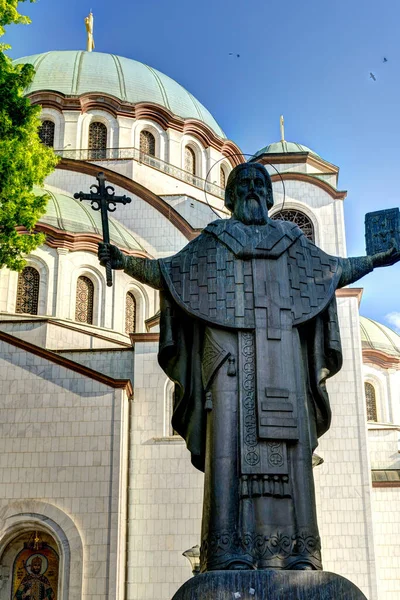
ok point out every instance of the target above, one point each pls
(385, 59)
(372, 76)
(232, 53)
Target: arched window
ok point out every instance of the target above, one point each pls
(130, 313)
(28, 291)
(222, 177)
(370, 397)
(147, 143)
(97, 140)
(190, 160)
(301, 220)
(46, 133)
(33, 562)
(84, 300)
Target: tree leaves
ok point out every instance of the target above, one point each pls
(9, 14)
(24, 160)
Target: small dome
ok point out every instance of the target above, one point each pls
(75, 72)
(284, 147)
(379, 337)
(67, 214)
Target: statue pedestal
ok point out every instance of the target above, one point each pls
(268, 585)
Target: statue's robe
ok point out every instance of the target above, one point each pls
(249, 333)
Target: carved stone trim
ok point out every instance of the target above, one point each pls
(381, 359)
(59, 238)
(386, 484)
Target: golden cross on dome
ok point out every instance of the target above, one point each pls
(282, 124)
(89, 30)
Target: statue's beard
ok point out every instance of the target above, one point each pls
(252, 211)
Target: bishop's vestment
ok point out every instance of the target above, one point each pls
(249, 334)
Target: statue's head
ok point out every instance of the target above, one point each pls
(249, 193)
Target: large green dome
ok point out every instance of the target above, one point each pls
(75, 72)
(67, 214)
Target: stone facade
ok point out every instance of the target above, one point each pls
(100, 471)
(64, 453)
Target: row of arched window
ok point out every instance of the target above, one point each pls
(97, 146)
(97, 137)
(27, 300)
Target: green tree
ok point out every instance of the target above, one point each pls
(24, 160)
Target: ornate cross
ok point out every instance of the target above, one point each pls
(103, 198)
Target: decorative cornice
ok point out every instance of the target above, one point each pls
(53, 321)
(124, 384)
(152, 321)
(380, 359)
(374, 426)
(61, 239)
(142, 110)
(334, 193)
(285, 158)
(386, 484)
(91, 350)
(233, 153)
(80, 166)
(350, 293)
(144, 337)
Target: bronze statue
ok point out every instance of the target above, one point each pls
(249, 334)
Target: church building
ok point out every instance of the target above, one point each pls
(99, 499)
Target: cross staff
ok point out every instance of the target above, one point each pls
(105, 200)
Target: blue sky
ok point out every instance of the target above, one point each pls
(308, 60)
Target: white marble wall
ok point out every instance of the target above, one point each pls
(343, 481)
(386, 505)
(325, 212)
(165, 490)
(383, 447)
(63, 466)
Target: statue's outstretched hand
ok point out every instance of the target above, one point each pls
(387, 258)
(108, 252)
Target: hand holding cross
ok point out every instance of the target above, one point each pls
(103, 198)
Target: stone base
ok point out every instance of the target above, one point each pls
(268, 585)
